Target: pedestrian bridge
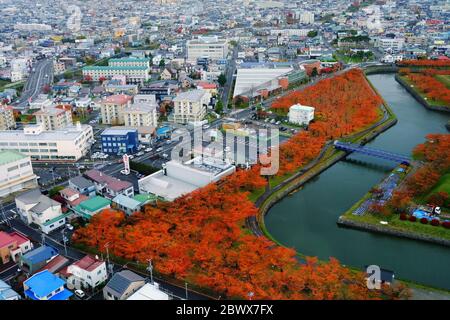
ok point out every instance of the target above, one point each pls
(350, 147)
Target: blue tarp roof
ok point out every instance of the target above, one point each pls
(42, 284)
(162, 130)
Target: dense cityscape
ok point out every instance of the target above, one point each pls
(224, 150)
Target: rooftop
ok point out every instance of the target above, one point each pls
(94, 204)
(88, 263)
(192, 95)
(127, 202)
(42, 284)
(8, 156)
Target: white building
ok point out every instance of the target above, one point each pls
(307, 17)
(87, 273)
(130, 62)
(190, 106)
(134, 74)
(16, 172)
(68, 144)
(395, 44)
(7, 120)
(178, 179)
(211, 47)
(301, 115)
(141, 115)
(150, 291)
(42, 101)
(34, 207)
(52, 118)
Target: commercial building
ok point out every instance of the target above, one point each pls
(211, 47)
(34, 207)
(112, 108)
(251, 80)
(67, 144)
(7, 120)
(52, 118)
(177, 179)
(141, 114)
(16, 172)
(190, 106)
(117, 142)
(301, 115)
(150, 291)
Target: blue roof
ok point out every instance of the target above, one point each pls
(40, 254)
(42, 284)
(163, 130)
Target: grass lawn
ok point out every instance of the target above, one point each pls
(431, 102)
(396, 224)
(256, 194)
(445, 79)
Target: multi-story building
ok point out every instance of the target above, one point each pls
(141, 115)
(34, 207)
(53, 118)
(301, 115)
(211, 47)
(7, 120)
(59, 67)
(129, 62)
(118, 142)
(190, 106)
(135, 70)
(307, 17)
(394, 44)
(112, 108)
(16, 172)
(68, 144)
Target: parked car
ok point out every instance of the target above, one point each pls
(159, 149)
(69, 226)
(148, 149)
(80, 294)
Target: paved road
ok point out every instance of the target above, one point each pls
(42, 75)
(229, 75)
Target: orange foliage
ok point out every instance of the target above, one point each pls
(200, 236)
(425, 63)
(343, 105)
(430, 86)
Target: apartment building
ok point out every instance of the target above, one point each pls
(141, 115)
(16, 172)
(211, 47)
(7, 120)
(112, 108)
(52, 118)
(67, 144)
(129, 62)
(190, 106)
(395, 44)
(133, 74)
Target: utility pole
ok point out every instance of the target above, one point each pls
(107, 255)
(64, 238)
(185, 287)
(4, 215)
(43, 238)
(150, 269)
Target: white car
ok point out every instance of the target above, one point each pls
(124, 172)
(159, 150)
(80, 294)
(140, 154)
(148, 149)
(131, 157)
(165, 155)
(206, 126)
(69, 226)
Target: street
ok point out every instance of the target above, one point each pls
(42, 76)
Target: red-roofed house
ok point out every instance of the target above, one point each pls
(109, 186)
(210, 87)
(13, 245)
(86, 273)
(72, 197)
